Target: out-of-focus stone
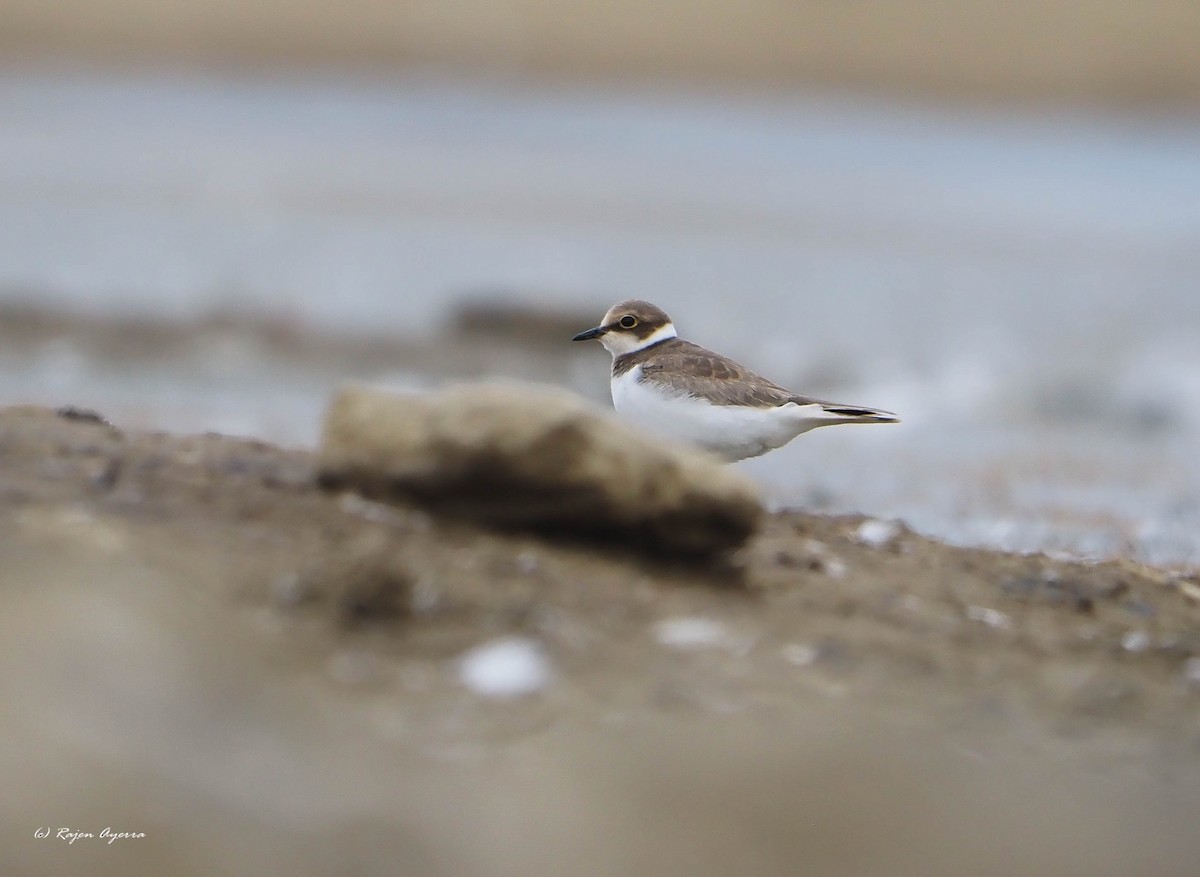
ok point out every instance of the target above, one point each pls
(506, 315)
(536, 458)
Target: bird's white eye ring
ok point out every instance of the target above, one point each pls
(628, 321)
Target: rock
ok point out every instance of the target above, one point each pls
(82, 415)
(691, 633)
(531, 457)
(507, 315)
(510, 667)
(877, 534)
(991, 617)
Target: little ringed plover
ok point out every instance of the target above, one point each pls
(685, 393)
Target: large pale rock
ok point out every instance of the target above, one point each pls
(538, 458)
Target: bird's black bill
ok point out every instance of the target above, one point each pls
(590, 334)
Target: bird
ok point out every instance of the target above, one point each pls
(688, 394)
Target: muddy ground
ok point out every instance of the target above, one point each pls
(200, 645)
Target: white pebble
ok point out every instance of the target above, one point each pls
(800, 654)
(1136, 641)
(527, 563)
(834, 567)
(425, 595)
(691, 633)
(877, 534)
(508, 667)
(991, 617)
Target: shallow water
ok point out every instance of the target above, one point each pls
(1022, 287)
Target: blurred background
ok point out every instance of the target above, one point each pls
(985, 218)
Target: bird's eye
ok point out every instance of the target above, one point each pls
(628, 321)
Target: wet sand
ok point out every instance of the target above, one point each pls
(195, 648)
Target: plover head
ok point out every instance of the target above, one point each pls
(630, 326)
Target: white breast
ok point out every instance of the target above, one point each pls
(729, 431)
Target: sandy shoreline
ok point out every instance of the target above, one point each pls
(164, 591)
(1106, 51)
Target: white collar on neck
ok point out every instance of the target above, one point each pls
(622, 343)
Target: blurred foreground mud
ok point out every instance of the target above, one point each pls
(199, 644)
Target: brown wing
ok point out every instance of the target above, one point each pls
(689, 369)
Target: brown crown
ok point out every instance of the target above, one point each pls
(650, 318)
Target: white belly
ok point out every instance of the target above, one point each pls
(728, 431)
